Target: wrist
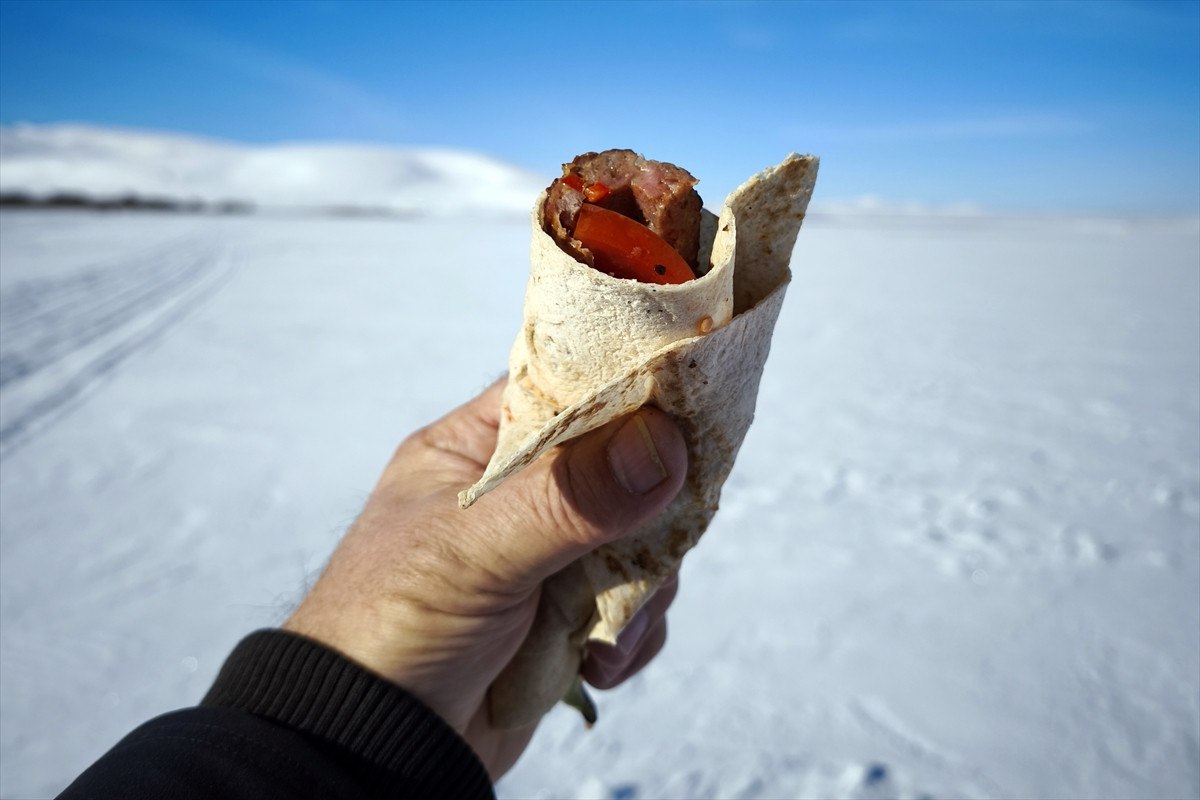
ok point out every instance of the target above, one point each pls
(394, 738)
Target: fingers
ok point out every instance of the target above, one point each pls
(594, 490)
(606, 666)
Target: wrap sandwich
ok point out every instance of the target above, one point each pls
(636, 295)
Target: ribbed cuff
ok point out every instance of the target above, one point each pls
(308, 687)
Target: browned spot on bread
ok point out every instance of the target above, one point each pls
(615, 566)
(705, 324)
(646, 562)
(581, 413)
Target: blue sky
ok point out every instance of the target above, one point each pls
(1010, 106)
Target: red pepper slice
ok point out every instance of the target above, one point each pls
(625, 248)
(596, 192)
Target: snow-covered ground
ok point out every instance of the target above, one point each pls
(959, 556)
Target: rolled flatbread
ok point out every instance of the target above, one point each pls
(593, 348)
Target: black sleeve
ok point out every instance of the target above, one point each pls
(290, 718)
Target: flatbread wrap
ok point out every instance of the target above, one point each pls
(595, 346)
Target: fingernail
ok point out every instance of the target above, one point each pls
(632, 633)
(634, 458)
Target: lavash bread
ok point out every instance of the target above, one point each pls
(593, 348)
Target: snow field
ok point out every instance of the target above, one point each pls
(959, 555)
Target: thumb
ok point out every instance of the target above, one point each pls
(597, 489)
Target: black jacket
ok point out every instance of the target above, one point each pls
(289, 718)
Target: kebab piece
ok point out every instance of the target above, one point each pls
(627, 216)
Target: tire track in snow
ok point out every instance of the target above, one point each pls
(50, 318)
(61, 337)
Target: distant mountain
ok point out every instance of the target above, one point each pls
(91, 165)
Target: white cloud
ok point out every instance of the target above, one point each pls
(303, 84)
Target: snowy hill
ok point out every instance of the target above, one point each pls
(104, 164)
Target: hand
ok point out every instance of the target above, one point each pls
(437, 599)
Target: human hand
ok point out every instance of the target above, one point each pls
(438, 599)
